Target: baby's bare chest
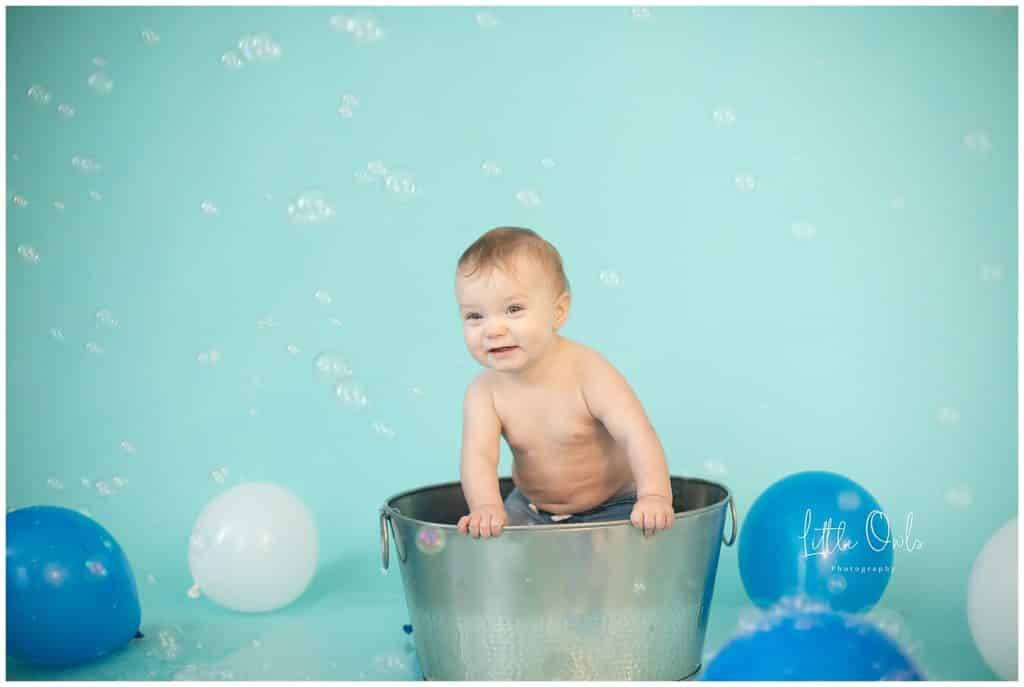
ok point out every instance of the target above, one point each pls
(555, 419)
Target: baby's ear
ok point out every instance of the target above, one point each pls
(562, 304)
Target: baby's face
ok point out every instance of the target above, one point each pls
(509, 320)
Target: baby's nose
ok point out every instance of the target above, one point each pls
(496, 327)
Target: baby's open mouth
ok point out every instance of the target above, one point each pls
(502, 349)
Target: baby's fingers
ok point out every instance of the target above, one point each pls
(496, 526)
(463, 525)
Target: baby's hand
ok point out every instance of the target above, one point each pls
(652, 513)
(485, 521)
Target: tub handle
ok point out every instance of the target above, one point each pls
(385, 550)
(385, 521)
(732, 511)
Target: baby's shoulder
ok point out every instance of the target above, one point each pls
(582, 358)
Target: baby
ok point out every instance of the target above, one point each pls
(583, 448)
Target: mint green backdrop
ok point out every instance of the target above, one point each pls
(793, 230)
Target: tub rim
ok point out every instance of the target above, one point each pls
(391, 510)
(387, 512)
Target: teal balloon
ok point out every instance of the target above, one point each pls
(819, 535)
(71, 595)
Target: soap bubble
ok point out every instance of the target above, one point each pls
(101, 83)
(430, 540)
(310, 207)
(39, 95)
(350, 394)
(331, 367)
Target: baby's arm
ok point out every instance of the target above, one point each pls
(611, 400)
(481, 437)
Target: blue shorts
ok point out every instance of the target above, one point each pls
(522, 512)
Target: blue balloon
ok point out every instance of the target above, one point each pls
(819, 645)
(71, 595)
(818, 535)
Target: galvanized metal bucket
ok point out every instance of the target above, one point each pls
(594, 601)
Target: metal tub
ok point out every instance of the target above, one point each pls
(595, 601)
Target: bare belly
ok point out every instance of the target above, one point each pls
(572, 488)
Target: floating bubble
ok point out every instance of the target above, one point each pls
(118, 481)
(978, 141)
(948, 416)
(99, 62)
(491, 168)
(528, 198)
(836, 584)
(211, 357)
(724, 116)
(803, 231)
(350, 394)
(898, 203)
(96, 195)
(57, 334)
(55, 484)
(293, 349)
(39, 95)
(150, 37)
(991, 273)
(194, 592)
(322, 296)
(548, 163)
(310, 207)
(66, 111)
(641, 13)
(401, 183)
(959, 496)
(848, 500)
(28, 254)
(85, 165)
(58, 205)
(19, 201)
(265, 323)
(430, 540)
(715, 467)
(383, 430)
(208, 208)
(106, 318)
(639, 588)
(486, 20)
(231, 60)
(219, 475)
(93, 347)
(127, 447)
(376, 168)
(745, 183)
(259, 48)
(611, 279)
(362, 29)
(331, 367)
(101, 83)
(416, 392)
(103, 489)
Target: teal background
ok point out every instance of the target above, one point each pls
(881, 344)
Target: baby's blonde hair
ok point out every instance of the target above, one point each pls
(498, 247)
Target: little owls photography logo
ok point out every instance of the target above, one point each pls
(877, 536)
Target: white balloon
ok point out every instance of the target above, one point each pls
(254, 548)
(992, 601)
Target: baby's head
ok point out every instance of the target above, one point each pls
(513, 294)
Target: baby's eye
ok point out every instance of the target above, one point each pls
(473, 316)
(515, 308)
